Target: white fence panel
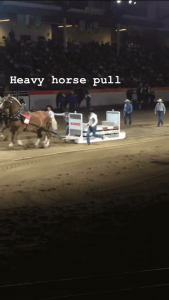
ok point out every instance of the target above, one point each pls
(12, 93)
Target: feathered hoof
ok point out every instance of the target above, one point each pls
(19, 143)
(10, 145)
(5, 138)
(45, 145)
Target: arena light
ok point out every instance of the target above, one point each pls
(130, 2)
(60, 26)
(5, 20)
(118, 1)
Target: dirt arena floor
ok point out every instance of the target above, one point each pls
(76, 210)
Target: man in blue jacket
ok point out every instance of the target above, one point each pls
(72, 104)
(62, 102)
(127, 112)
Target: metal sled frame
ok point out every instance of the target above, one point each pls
(110, 128)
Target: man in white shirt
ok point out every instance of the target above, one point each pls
(66, 117)
(93, 126)
(160, 110)
(52, 115)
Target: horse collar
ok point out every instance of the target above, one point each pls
(18, 113)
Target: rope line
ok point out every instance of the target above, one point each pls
(85, 277)
(95, 293)
(86, 294)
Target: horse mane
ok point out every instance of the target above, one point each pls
(16, 100)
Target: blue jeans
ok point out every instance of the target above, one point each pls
(93, 130)
(88, 104)
(125, 118)
(72, 106)
(67, 128)
(61, 106)
(160, 113)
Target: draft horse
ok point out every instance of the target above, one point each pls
(37, 122)
(4, 117)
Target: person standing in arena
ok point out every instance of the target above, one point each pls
(62, 102)
(2, 83)
(160, 110)
(127, 112)
(134, 99)
(66, 117)
(92, 126)
(88, 101)
(58, 99)
(72, 103)
(11, 35)
(52, 115)
(139, 94)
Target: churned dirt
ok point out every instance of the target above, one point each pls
(77, 210)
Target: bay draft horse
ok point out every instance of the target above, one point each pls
(4, 114)
(39, 121)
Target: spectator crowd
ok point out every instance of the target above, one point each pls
(43, 58)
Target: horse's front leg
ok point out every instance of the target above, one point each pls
(19, 132)
(12, 138)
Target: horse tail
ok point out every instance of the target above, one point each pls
(49, 123)
(54, 124)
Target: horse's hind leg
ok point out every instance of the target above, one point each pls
(39, 132)
(48, 135)
(37, 142)
(46, 139)
(2, 129)
(45, 136)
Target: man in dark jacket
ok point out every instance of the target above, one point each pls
(2, 83)
(139, 94)
(62, 102)
(72, 102)
(79, 91)
(58, 100)
(88, 101)
(11, 35)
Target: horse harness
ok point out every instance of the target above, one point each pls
(18, 115)
(5, 113)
